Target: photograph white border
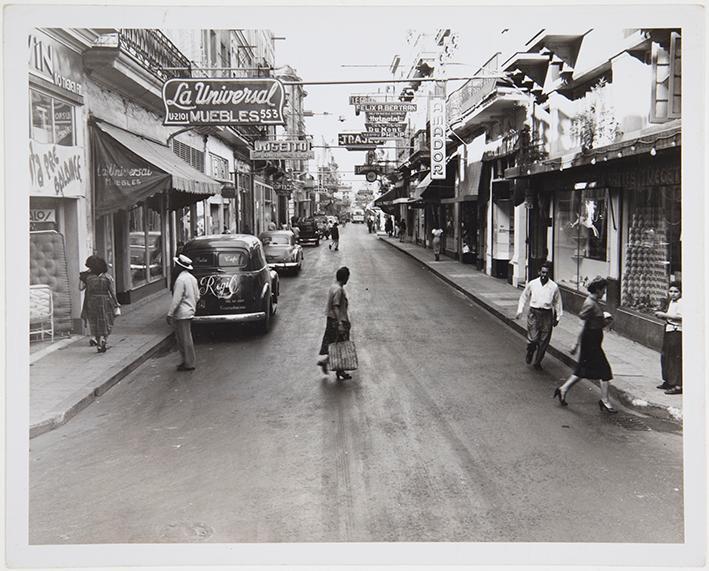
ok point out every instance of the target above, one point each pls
(20, 19)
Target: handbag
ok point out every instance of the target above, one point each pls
(342, 356)
(116, 310)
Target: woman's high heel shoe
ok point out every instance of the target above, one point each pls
(341, 375)
(557, 394)
(604, 408)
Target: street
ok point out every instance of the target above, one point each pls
(444, 434)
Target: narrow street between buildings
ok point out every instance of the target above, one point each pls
(443, 434)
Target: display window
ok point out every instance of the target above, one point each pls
(652, 247)
(145, 243)
(53, 120)
(581, 242)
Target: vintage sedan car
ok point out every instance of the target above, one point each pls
(308, 231)
(235, 283)
(282, 251)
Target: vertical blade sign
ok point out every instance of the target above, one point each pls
(437, 119)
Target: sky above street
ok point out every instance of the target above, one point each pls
(318, 47)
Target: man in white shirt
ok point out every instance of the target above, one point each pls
(185, 296)
(544, 313)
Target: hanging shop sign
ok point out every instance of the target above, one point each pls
(437, 118)
(379, 119)
(385, 108)
(357, 99)
(395, 129)
(56, 170)
(364, 169)
(204, 102)
(282, 150)
(55, 63)
(358, 140)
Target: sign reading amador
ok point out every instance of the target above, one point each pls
(197, 102)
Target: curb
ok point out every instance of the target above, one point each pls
(652, 409)
(83, 397)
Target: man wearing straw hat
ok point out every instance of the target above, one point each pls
(185, 296)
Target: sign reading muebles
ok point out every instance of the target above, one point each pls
(288, 149)
(198, 102)
(437, 117)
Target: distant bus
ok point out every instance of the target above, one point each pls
(358, 216)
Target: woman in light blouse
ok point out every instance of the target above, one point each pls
(671, 358)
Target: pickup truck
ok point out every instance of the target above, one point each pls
(308, 231)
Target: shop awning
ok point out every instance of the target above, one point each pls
(130, 168)
(386, 198)
(437, 189)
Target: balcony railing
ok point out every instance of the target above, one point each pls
(472, 92)
(155, 51)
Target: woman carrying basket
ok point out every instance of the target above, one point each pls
(338, 321)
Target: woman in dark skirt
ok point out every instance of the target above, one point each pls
(592, 362)
(671, 358)
(337, 327)
(100, 301)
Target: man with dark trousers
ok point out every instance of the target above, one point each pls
(544, 313)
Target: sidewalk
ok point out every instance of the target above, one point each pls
(636, 368)
(68, 375)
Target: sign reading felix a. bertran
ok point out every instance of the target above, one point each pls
(196, 102)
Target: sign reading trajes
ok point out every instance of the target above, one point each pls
(289, 149)
(437, 117)
(223, 102)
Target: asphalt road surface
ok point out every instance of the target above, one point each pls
(444, 434)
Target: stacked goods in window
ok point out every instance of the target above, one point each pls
(646, 253)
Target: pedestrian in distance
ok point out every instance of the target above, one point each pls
(100, 301)
(389, 226)
(671, 357)
(337, 326)
(335, 235)
(544, 313)
(185, 296)
(402, 230)
(592, 363)
(369, 224)
(437, 233)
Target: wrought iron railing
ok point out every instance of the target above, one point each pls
(156, 52)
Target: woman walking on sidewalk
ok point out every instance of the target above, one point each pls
(671, 358)
(100, 302)
(337, 327)
(185, 296)
(592, 362)
(437, 233)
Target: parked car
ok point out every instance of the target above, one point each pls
(282, 251)
(235, 283)
(309, 232)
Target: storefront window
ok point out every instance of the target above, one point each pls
(136, 237)
(154, 242)
(652, 247)
(581, 244)
(52, 120)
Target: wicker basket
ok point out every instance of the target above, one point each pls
(342, 356)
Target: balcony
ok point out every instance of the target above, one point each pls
(136, 63)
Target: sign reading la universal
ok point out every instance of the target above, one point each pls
(197, 102)
(358, 140)
(385, 108)
(288, 149)
(437, 117)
